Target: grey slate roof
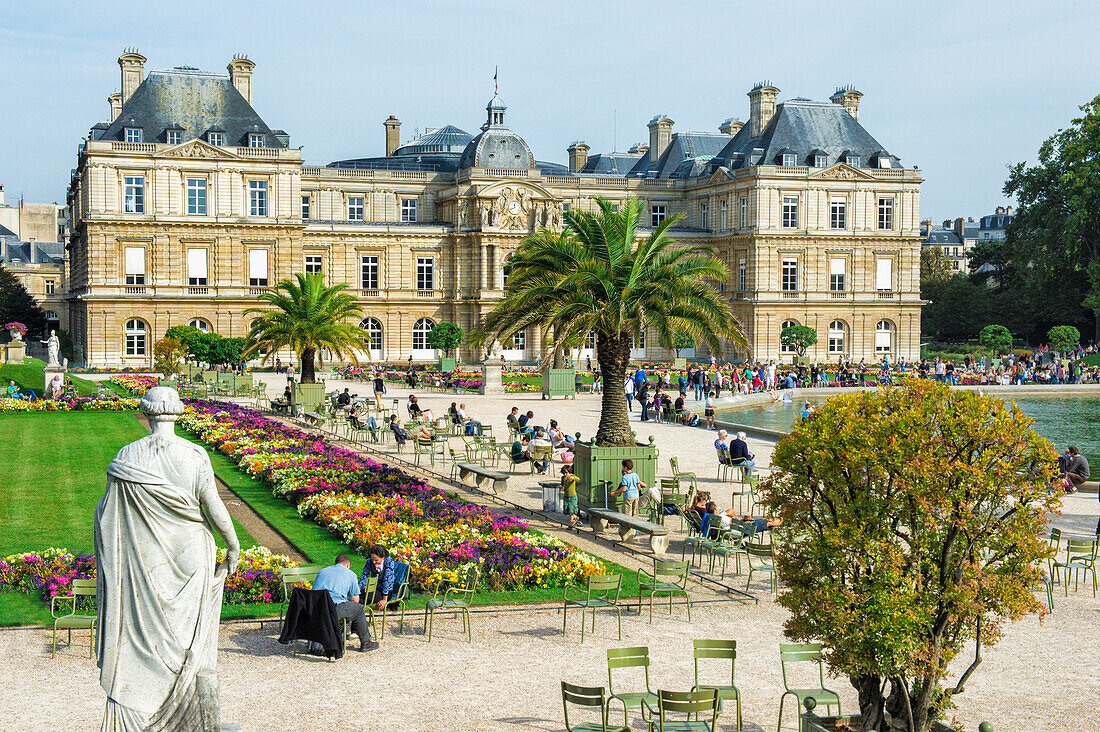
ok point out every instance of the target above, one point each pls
(32, 252)
(497, 147)
(941, 237)
(804, 127)
(687, 156)
(611, 164)
(195, 100)
(447, 138)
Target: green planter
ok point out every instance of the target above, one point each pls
(226, 381)
(446, 365)
(310, 397)
(559, 382)
(243, 381)
(828, 724)
(595, 464)
(679, 363)
(209, 377)
(166, 382)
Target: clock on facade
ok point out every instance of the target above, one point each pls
(514, 207)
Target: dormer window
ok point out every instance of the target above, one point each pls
(133, 134)
(173, 137)
(216, 138)
(255, 139)
(821, 161)
(884, 162)
(852, 160)
(788, 160)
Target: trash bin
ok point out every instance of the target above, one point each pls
(551, 496)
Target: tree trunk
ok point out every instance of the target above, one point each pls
(309, 374)
(871, 702)
(899, 709)
(613, 355)
(556, 345)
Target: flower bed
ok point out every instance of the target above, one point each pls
(367, 503)
(77, 404)
(49, 573)
(136, 383)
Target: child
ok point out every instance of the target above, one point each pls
(569, 485)
(630, 487)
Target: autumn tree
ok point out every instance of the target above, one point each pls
(912, 526)
(168, 355)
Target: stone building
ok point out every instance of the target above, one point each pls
(186, 204)
(32, 248)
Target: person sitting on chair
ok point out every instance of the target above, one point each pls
(513, 418)
(344, 399)
(519, 449)
(540, 441)
(740, 455)
(380, 565)
(399, 433)
(558, 438)
(340, 582)
(524, 423)
(1078, 471)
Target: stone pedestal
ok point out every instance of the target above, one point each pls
(492, 381)
(14, 352)
(48, 373)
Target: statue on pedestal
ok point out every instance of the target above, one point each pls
(53, 348)
(158, 590)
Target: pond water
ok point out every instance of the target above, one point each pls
(1066, 419)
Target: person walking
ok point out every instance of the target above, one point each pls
(628, 387)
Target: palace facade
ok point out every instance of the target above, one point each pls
(186, 204)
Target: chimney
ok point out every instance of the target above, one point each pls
(947, 223)
(132, 64)
(959, 226)
(638, 148)
(1009, 211)
(240, 74)
(115, 100)
(731, 126)
(393, 134)
(660, 134)
(578, 155)
(847, 97)
(761, 106)
(999, 210)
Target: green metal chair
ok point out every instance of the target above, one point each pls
(674, 463)
(669, 578)
(601, 591)
(628, 658)
(401, 593)
(450, 601)
(74, 620)
(688, 703)
(720, 650)
(422, 447)
(1080, 559)
(765, 563)
(293, 576)
(790, 653)
(730, 541)
(370, 585)
(543, 454)
(695, 536)
(587, 696)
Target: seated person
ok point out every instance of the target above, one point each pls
(540, 441)
(524, 422)
(288, 395)
(740, 455)
(380, 565)
(687, 417)
(712, 521)
(422, 433)
(1078, 471)
(558, 438)
(452, 412)
(722, 448)
(398, 432)
(519, 449)
(340, 582)
(473, 427)
(344, 399)
(413, 405)
(513, 418)
(699, 504)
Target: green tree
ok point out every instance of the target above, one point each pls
(596, 276)
(935, 266)
(1057, 223)
(996, 338)
(168, 355)
(957, 308)
(228, 351)
(446, 337)
(798, 337)
(912, 525)
(1062, 337)
(306, 316)
(17, 305)
(680, 340)
(193, 339)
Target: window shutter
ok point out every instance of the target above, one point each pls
(836, 266)
(196, 263)
(135, 260)
(884, 279)
(257, 263)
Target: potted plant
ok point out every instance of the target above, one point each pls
(16, 330)
(896, 552)
(446, 337)
(799, 338)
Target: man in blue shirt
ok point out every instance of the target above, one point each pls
(524, 420)
(343, 586)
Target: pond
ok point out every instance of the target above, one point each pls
(1066, 419)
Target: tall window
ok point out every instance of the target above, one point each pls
(196, 196)
(135, 337)
(789, 281)
(313, 264)
(656, 214)
(884, 336)
(215, 138)
(838, 213)
(135, 193)
(255, 139)
(703, 223)
(369, 272)
(784, 348)
(425, 276)
(590, 342)
(200, 324)
(885, 214)
(257, 268)
(196, 267)
(305, 207)
(744, 213)
(722, 219)
(408, 210)
(374, 333)
(836, 275)
(173, 137)
(836, 336)
(355, 208)
(742, 274)
(257, 198)
(884, 271)
(133, 134)
(135, 265)
(49, 287)
(421, 329)
(790, 212)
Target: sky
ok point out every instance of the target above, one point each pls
(959, 89)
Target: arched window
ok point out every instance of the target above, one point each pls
(884, 336)
(135, 337)
(52, 319)
(421, 329)
(374, 333)
(785, 348)
(200, 324)
(837, 339)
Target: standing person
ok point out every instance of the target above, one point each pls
(343, 586)
(630, 488)
(642, 395)
(587, 363)
(379, 388)
(697, 382)
(708, 410)
(569, 489)
(290, 373)
(628, 388)
(278, 365)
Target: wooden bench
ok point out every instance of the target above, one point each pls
(481, 475)
(314, 419)
(658, 535)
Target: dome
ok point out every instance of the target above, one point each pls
(497, 147)
(446, 139)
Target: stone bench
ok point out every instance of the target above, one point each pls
(280, 407)
(658, 535)
(314, 419)
(481, 475)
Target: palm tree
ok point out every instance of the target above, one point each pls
(596, 277)
(306, 317)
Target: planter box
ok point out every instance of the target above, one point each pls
(559, 382)
(829, 724)
(446, 365)
(209, 377)
(310, 397)
(595, 464)
(679, 363)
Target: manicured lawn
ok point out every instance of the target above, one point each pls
(30, 376)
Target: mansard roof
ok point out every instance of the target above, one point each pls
(685, 157)
(611, 164)
(32, 252)
(193, 100)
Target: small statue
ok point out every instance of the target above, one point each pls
(53, 347)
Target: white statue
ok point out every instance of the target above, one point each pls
(158, 590)
(53, 347)
(495, 353)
